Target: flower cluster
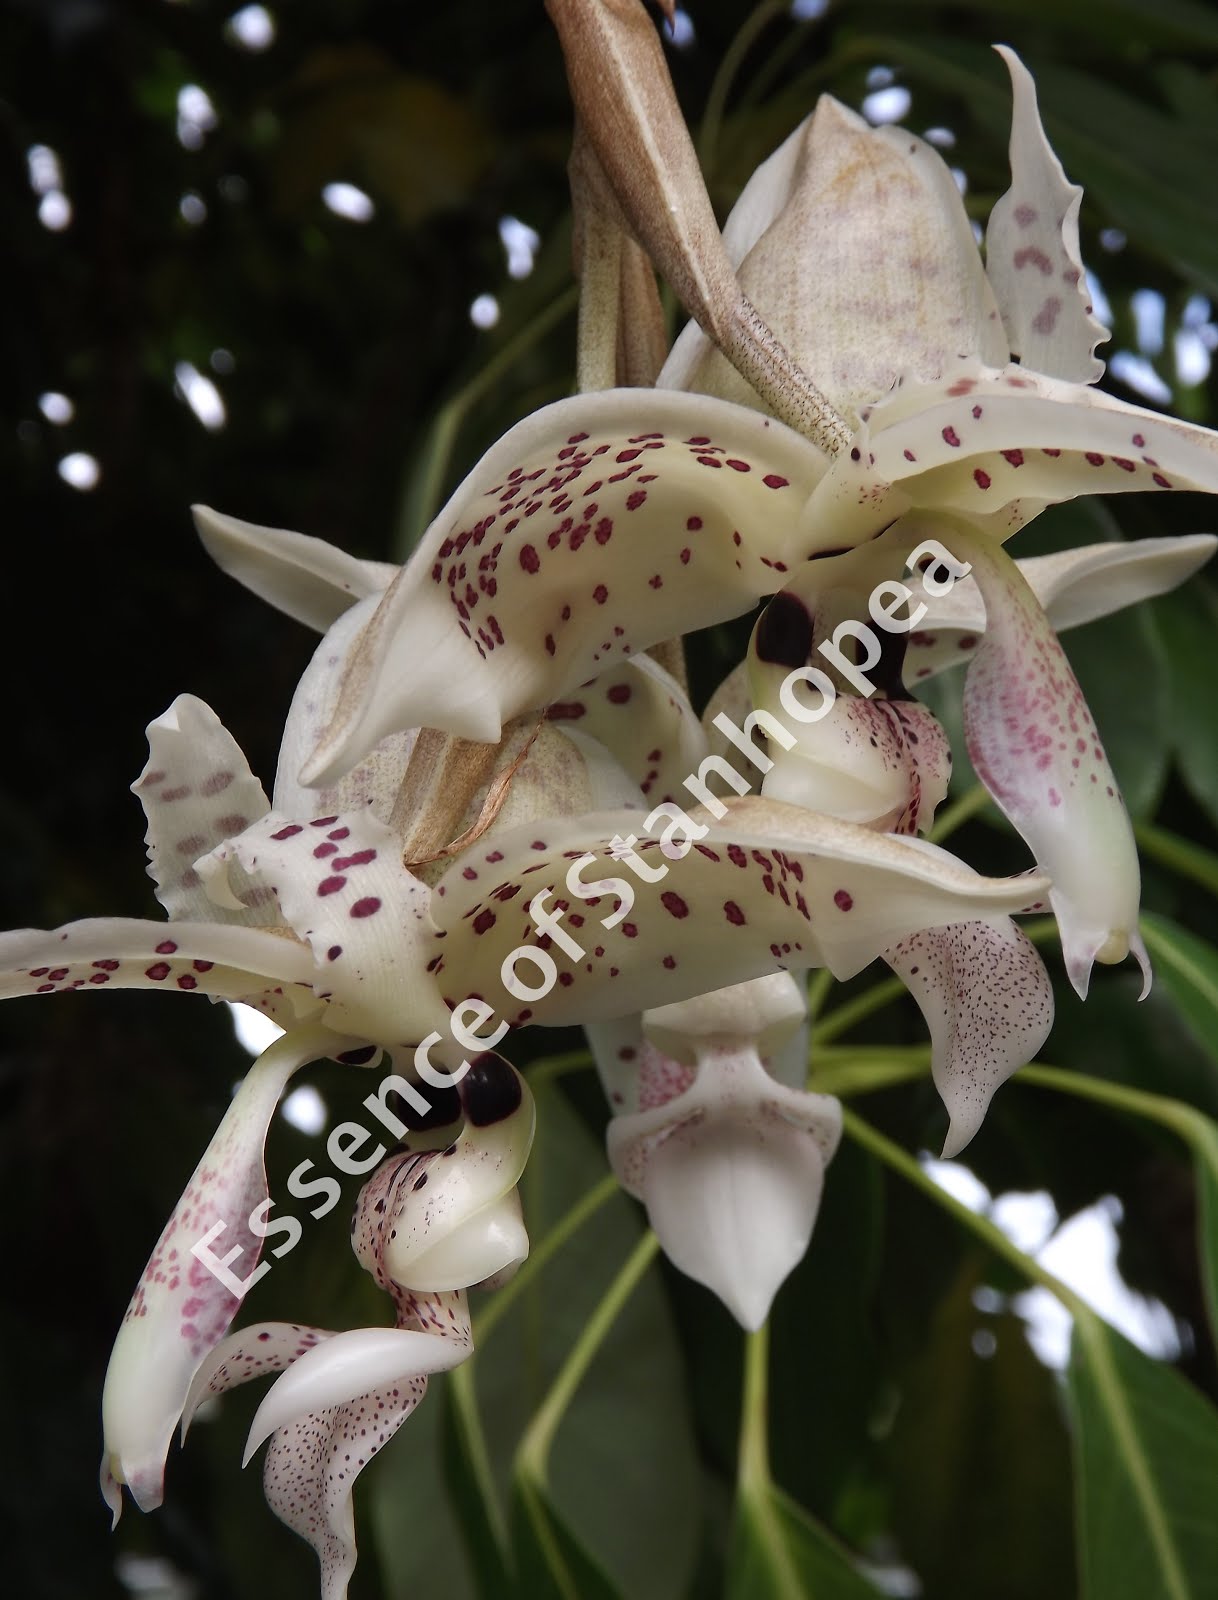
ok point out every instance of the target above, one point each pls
(496, 806)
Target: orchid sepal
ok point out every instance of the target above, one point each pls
(183, 1306)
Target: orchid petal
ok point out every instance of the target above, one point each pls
(731, 1173)
(628, 109)
(1073, 586)
(225, 962)
(980, 442)
(308, 579)
(1036, 749)
(897, 289)
(330, 1413)
(182, 1306)
(988, 1002)
(342, 889)
(612, 531)
(197, 790)
(886, 763)
(349, 1365)
(250, 1352)
(643, 717)
(375, 782)
(444, 1220)
(767, 888)
(1032, 251)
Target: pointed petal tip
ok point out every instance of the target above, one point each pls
(1138, 949)
(961, 1131)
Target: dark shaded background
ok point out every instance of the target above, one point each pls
(346, 339)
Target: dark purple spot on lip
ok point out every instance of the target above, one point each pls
(842, 900)
(733, 913)
(330, 885)
(158, 972)
(366, 907)
(674, 904)
(772, 480)
(333, 953)
(287, 833)
(950, 436)
(529, 559)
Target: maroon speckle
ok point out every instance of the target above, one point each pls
(288, 832)
(635, 500)
(733, 913)
(773, 481)
(1013, 457)
(366, 907)
(842, 900)
(950, 436)
(158, 972)
(330, 885)
(619, 693)
(187, 982)
(529, 559)
(600, 594)
(692, 524)
(980, 478)
(674, 904)
(333, 953)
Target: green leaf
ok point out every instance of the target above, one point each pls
(1188, 968)
(779, 1553)
(554, 1563)
(1147, 1465)
(467, 1477)
(1181, 855)
(978, 1456)
(1188, 624)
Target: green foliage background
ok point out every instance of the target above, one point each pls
(360, 393)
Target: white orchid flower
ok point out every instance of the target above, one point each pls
(428, 1224)
(611, 521)
(713, 1131)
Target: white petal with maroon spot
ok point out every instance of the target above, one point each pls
(342, 888)
(310, 580)
(443, 1220)
(373, 783)
(988, 1002)
(1037, 750)
(770, 887)
(644, 719)
(885, 763)
(181, 1309)
(1073, 586)
(251, 1352)
(597, 527)
(1032, 255)
(224, 962)
(351, 1364)
(980, 441)
(731, 1173)
(196, 790)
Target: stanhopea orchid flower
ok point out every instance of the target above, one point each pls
(316, 919)
(428, 1224)
(748, 1131)
(714, 1132)
(608, 522)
